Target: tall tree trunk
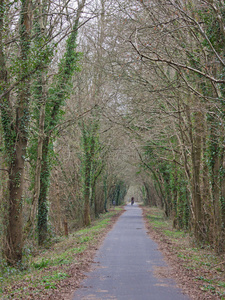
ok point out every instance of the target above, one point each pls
(7, 122)
(86, 174)
(196, 167)
(67, 69)
(37, 176)
(42, 200)
(41, 97)
(215, 165)
(17, 151)
(206, 193)
(105, 193)
(196, 145)
(223, 196)
(87, 218)
(57, 204)
(14, 229)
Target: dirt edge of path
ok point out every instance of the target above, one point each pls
(185, 279)
(67, 287)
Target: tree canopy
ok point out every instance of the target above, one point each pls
(101, 97)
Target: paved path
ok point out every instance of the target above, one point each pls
(125, 265)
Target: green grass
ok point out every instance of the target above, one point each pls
(64, 258)
(51, 266)
(174, 234)
(49, 282)
(42, 264)
(221, 283)
(157, 220)
(204, 279)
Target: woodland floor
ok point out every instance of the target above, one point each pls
(59, 270)
(199, 272)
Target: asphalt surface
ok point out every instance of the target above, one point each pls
(125, 265)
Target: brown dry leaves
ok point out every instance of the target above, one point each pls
(185, 278)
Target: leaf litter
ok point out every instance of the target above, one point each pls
(189, 265)
(60, 281)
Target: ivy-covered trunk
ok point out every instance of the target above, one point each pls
(214, 167)
(88, 145)
(87, 217)
(196, 167)
(39, 94)
(86, 173)
(15, 225)
(55, 100)
(16, 137)
(105, 193)
(6, 114)
(42, 199)
(195, 134)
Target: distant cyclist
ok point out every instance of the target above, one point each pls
(132, 200)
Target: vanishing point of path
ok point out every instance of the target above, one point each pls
(125, 265)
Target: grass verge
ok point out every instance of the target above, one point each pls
(60, 268)
(201, 265)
